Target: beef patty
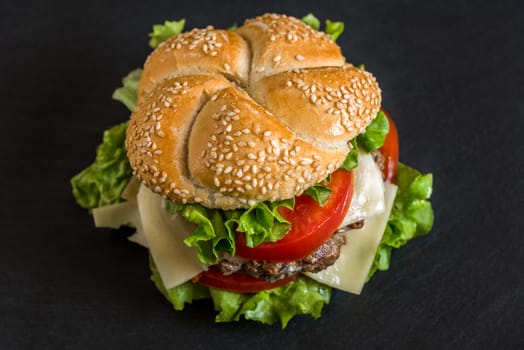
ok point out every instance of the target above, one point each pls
(320, 259)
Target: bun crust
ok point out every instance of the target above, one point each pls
(235, 127)
(200, 51)
(281, 43)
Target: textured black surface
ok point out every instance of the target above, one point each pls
(452, 77)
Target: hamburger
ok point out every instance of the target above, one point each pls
(258, 168)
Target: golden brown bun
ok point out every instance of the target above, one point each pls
(198, 51)
(327, 105)
(209, 129)
(281, 43)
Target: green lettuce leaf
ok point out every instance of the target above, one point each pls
(411, 215)
(103, 181)
(127, 93)
(216, 228)
(232, 27)
(261, 222)
(301, 297)
(311, 21)
(375, 133)
(351, 161)
(320, 192)
(211, 234)
(334, 29)
(162, 32)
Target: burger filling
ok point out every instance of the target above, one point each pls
(272, 271)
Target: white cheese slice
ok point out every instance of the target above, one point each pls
(368, 190)
(139, 237)
(116, 215)
(176, 262)
(131, 190)
(350, 271)
(121, 214)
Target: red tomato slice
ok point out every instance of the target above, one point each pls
(311, 224)
(390, 151)
(237, 282)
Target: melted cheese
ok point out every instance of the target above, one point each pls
(350, 271)
(368, 190)
(176, 262)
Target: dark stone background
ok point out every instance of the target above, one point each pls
(452, 77)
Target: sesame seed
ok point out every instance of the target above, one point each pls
(306, 161)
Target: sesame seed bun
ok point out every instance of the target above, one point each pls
(281, 43)
(212, 127)
(200, 51)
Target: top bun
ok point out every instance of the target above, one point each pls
(229, 118)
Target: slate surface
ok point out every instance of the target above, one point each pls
(452, 77)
